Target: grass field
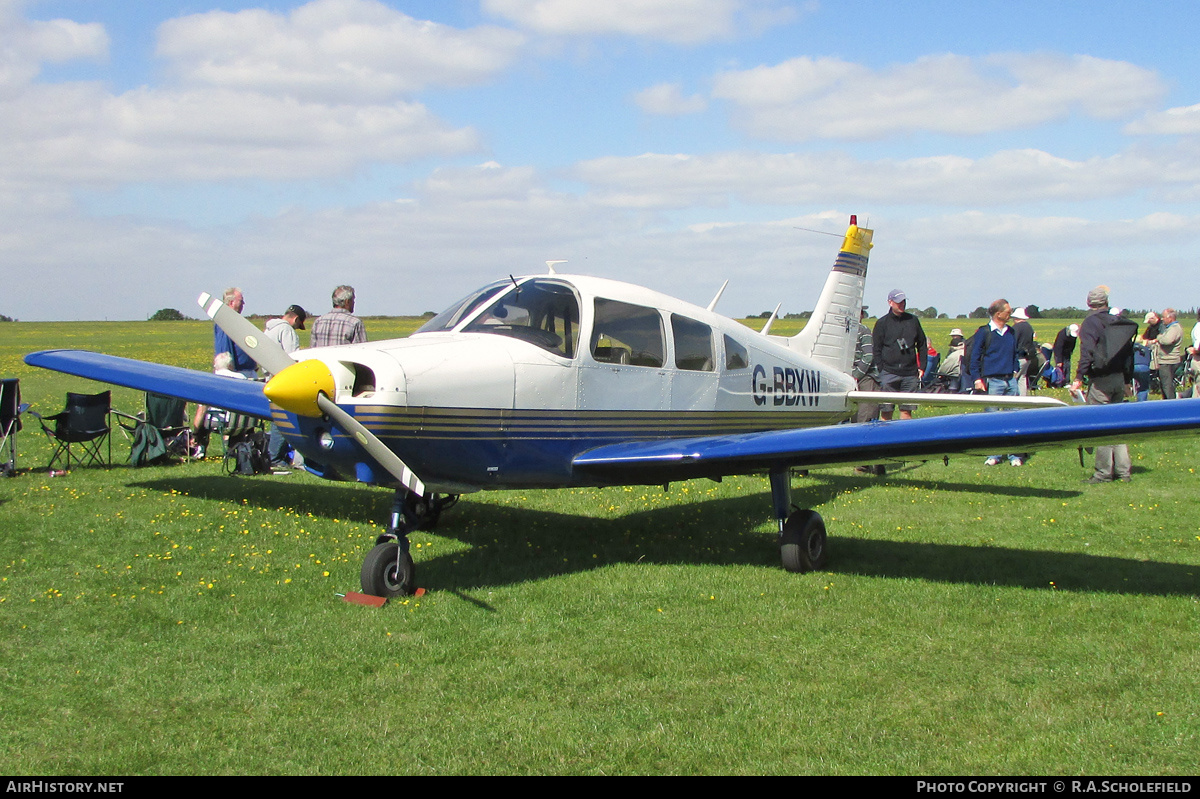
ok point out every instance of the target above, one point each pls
(174, 620)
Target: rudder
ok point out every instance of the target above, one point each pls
(832, 332)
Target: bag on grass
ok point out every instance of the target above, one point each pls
(248, 453)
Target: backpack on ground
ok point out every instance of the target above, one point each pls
(246, 453)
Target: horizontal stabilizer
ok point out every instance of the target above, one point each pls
(239, 396)
(660, 461)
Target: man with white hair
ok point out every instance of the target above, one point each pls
(241, 362)
(1169, 351)
(339, 326)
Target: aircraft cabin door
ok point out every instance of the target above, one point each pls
(624, 368)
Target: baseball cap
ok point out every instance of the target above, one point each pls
(299, 313)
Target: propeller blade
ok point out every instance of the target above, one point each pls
(265, 350)
(305, 388)
(374, 447)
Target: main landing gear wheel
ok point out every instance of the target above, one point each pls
(802, 542)
(388, 571)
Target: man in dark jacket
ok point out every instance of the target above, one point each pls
(1108, 365)
(1064, 348)
(1026, 349)
(899, 347)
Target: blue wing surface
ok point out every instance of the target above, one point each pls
(874, 442)
(240, 396)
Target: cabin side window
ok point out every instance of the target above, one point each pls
(736, 356)
(542, 312)
(627, 334)
(693, 344)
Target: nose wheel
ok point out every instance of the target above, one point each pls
(388, 571)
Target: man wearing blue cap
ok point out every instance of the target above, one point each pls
(899, 345)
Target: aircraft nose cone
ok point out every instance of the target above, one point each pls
(296, 388)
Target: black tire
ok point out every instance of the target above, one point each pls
(382, 576)
(802, 542)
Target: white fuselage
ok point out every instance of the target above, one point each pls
(541, 368)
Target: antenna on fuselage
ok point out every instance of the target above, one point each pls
(720, 291)
(550, 265)
(774, 315)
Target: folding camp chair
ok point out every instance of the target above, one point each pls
(159, 430)
(85, 422)
(10, 422)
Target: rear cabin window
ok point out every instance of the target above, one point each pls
(736, 356)
(693, 344)
(543, 312)
(627, 334)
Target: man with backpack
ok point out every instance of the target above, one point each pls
(1106, 360)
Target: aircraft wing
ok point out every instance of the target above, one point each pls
(240, 396)
(961, 400)
(875, 442)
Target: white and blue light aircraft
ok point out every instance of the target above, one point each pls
(559, 380)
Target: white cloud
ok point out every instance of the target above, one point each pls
(265, 96)
(463, 227)
(1009, 233)
(26, 44)
(332, 50)
(1012, 176)
(1184, 120)
(80, 134)
(666, 99)
(678, 21)
(486, 183)
(806, 98)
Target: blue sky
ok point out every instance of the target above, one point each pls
(153, 150)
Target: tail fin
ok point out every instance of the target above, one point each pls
(832, 332)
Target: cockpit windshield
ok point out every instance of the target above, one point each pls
(543, 312)
(452, 316)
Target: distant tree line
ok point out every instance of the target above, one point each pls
(4, 318)
(170, 315)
